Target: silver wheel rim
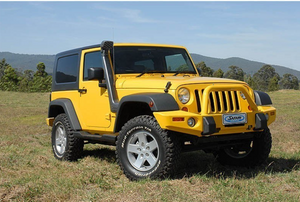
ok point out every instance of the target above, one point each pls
(142, 151)
(60, 139)
(239, 153)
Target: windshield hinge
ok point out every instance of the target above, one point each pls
(168, 86)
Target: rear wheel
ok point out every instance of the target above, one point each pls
(251, 153)
(145, 150)
(65, 145)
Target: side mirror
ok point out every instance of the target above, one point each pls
(199, 71)
(96, 73)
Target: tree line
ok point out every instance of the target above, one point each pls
(12, 79)
(266, 79)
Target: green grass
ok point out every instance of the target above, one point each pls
(29, 172)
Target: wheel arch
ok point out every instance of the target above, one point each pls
(143, 104)
(64, 105)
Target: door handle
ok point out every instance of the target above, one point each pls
(82, 90)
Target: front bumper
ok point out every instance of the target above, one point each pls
(212, 124)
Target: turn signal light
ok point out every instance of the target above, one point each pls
(178, 118)
(185, 109)
(151, 104)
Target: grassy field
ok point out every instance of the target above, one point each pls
(29, 172)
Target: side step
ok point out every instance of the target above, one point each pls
(105, 139)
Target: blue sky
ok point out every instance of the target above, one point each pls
(267, 32)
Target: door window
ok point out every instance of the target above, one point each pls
(92, 59)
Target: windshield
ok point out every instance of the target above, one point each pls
(134, 59)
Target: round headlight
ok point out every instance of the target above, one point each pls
(191, 122)
(183, 95)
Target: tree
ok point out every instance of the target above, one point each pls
(41, 82)
(248, 79)
(273, 84)
(41, 70)
(289, 81)
(10, 80)
(24, 85)
(235, 73)
(14, 80)
(27, 77)
(3, 65)
(28, 74)
(219, 73)
(205, 71)
(263, 77)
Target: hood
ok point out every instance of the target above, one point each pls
(159, 82)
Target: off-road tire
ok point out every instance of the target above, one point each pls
(131, 145)
(258, 154)
(65, 145)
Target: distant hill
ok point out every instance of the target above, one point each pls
(25, 61)
(248, 66)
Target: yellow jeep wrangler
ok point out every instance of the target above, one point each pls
(150, 102)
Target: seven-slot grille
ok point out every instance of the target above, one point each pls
(219, 101)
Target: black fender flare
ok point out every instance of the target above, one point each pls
(69, 110)
(262, 98)
(156, 102)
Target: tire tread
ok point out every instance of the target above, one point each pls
(74, 145)
(171, 144)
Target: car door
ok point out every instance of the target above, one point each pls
(93, 100)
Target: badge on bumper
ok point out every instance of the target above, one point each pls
(234, 119)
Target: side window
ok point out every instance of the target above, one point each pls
(176, 63)
(92, 59)
(67, 69)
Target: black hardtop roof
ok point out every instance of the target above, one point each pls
(77, 50)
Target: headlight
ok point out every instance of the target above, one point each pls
(183, 95)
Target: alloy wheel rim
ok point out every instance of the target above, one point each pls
(142, 151)
(60, 139)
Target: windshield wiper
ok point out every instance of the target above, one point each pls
(151, 71)
(185, 72)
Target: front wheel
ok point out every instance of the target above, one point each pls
(249, 154)
(146, 150)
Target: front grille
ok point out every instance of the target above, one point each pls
(219, 101)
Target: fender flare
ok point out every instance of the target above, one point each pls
(262, 98)
(69, 110)
(161, 102)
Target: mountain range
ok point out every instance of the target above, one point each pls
(25, 61)
(248, 66)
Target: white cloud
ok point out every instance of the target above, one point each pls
(133, 15)
(41, 6)
(9, 9)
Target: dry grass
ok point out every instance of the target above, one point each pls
(29, 172)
